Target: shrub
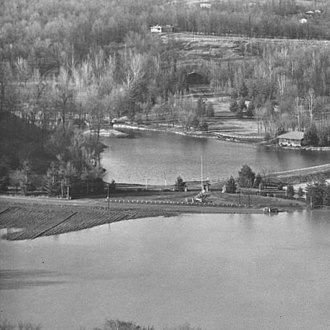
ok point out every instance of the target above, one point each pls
(203, 126)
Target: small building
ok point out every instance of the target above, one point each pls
(291, 139)
(156, 29)
(161, 28)
(205, 5)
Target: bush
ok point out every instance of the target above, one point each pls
(203, 126)
(268, 137)
(257, 181)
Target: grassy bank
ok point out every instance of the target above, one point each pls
(36, 217)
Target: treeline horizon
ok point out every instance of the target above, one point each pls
(79, 26)
(71, 61)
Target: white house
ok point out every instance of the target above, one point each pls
(161, 28)
(205, 5)
(291, 139)
(156, 29)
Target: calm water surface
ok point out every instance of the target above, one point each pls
(213, 271)
(159, 156)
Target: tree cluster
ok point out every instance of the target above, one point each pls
(318, 193)
(287, 88)
(317, 136)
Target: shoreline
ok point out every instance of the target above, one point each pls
(38, 217)
(233, 138)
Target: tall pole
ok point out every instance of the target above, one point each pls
(108, 196)
(202, 187)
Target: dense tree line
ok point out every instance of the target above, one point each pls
(69, 63)
(72, 28)
(287, 88)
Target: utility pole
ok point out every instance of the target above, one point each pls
(202, 186)
(108, 195)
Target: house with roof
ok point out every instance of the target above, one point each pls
(291, 139)
(161, 28)
(205, 5)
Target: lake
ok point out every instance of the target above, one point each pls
(156, 157)
(213, 271)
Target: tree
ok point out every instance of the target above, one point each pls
(250, 110)
(326, 195)
(201, 107)
(233, 107)
(209, 109)
(231, 186)
(64, 96)
(311, 137)
(203, 126)
(314, 193)
(246, 177)
(258, 181)
(4, 178)
(290, 191)
(300, 192)
(179, 184)
(241, 104)
(52, 181)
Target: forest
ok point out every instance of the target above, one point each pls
(66, 63)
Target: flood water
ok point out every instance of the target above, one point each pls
(213, 271)
(160, 156)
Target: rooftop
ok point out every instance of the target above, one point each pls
(292, 135)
